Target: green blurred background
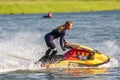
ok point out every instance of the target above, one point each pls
(45, 6)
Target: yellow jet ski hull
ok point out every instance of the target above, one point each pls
(69, 59)
(98, 60)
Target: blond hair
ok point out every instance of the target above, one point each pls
(67, 23)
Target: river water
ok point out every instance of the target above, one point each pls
(22, 43)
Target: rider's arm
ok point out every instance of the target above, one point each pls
(62, 40)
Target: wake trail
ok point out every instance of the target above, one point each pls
(21, 52)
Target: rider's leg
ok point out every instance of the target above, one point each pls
(47, 53)
(54, 52)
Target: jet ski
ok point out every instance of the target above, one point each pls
(78, 56)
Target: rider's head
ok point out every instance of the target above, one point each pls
(68, 25)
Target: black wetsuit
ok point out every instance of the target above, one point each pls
(49, 38)
(53, 35)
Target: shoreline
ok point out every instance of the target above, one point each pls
(61, 12)
(38, 7)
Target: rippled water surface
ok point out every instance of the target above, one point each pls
(22, 43)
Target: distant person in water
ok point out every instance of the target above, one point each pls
(58, 32)
(49, 15)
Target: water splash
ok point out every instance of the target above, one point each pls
(108, 47)
(19, 51)
(112, 63)
(111, 47)
(23, 49)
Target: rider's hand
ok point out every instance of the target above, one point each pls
(64, 49)
(65, 42)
